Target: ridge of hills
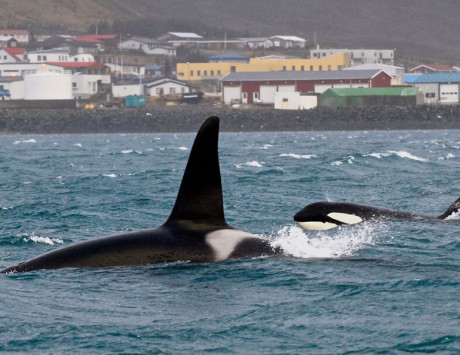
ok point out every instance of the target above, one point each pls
(420, 30)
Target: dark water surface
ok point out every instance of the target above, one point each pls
(380, 287)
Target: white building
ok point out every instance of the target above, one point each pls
(12, 55)
(295, 101)
(358, 56)
(20, 69)
(288, 42)
(256, 42)
(22, 36)
(48, 85)
(396, 73)
(49, 55)
(166, 86)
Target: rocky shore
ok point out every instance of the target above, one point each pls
(187, 118)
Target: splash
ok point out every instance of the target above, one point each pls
(401, 154)
(298, 156)
(26, 141)
(45, 240)
(344, 242)
(454, 216)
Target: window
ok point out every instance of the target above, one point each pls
(198, 72)
(191, 72)
(39, 58)
(255, 96)
(302, 68)
(44, 58)
(285, 99)
(233, 69)
(172, 90)
(205, 73)
(218, 72)
(293, 68)
(159, 91)
(329, 68)
(320, 68)
(311, 67)
(284, 67)
(212, 72)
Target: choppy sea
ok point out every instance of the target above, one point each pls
(378, 287)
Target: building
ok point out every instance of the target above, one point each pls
(177, 39)
(358, 56)
(436, 68)
(288, 42)
(261, 87)
(166, 86)
(295, 101)
(8, 42)
(397, 73)
(22, 36)
(12, 55)
(49, 55)
(214, 71)
(383, 96)
(88, 78)
(442, 88)
(22, 68)
(256, 42)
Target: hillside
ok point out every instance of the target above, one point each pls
(418, 29)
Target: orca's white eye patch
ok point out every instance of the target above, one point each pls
(345, 217)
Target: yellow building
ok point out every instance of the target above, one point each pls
(209, 71)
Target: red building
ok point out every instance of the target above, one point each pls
(250, 87)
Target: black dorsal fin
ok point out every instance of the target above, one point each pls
(200, 194)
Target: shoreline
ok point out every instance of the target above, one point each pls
(188, 118)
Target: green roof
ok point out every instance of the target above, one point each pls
(387, 91)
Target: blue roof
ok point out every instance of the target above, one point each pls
(153, 67)
(410, 78)
(229, 56)
(438, 78)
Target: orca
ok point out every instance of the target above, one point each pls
(195, 231)
(328, 215)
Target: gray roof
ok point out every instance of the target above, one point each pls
(301, 75)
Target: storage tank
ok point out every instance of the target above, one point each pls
(48, 85)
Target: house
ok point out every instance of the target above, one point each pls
(49, 55)
(103, 42)
(256, 42)
(442, 88)
(436, 68)
(358, 56)
(88, 78)
(177, 39)
(166, 86)
(153, 70)
(8, 42)
(22, 36)
(288, 42)
(214, 71)
(261, 87)
(397, 73)
(12, 55)
(382, 96)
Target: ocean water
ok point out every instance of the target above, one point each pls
(376, 287)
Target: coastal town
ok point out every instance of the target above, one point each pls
(280, 71)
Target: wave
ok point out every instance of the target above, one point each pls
(26, 141)
(298, 156)
(344, 243)
(402, 154)
(253, 163)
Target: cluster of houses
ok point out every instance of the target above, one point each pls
(93, 67)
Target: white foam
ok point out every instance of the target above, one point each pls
(127, 151)
(183, 148)
(254, 163)
(401, 154)
(110, 175)
(298, 156)
(26, 141)
(78, 145)
(45, 240)
(344, 243)
(454, 216)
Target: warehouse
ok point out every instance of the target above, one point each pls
(439, 88)
(393, 96)
(260, 87)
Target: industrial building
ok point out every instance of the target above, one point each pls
(359, 97)
(214, 71)
(439, 88)
(261, 87)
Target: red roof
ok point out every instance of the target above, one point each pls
(76, 65)
(14, 52)
(94, 38)
(14, 32)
